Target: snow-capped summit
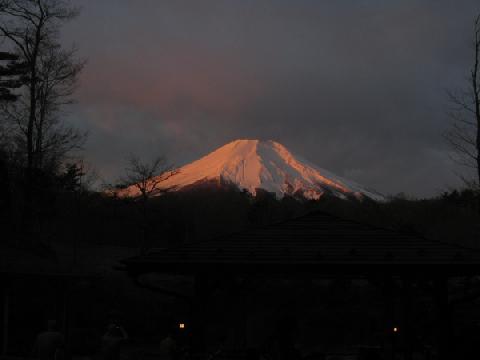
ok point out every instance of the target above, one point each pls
(267, 165)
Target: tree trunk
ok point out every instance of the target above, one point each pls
(27, 218)
(38, 151)
(28, 210)
(477, 99)
(476, 95)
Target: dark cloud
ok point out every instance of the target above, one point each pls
(357, 87)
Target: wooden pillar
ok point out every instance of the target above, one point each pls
(199, 315)
(444, 321)
(390, 341)
(65, 311)
(6, 315)
(408, 327)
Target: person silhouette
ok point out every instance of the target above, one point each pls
(112, 341)
(49, 344)
(168, 347)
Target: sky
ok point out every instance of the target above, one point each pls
(357, 87)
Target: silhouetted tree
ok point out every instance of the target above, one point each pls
(11, 75)
(145, 178)
(464, 136)
(31, 28)
(71, 179)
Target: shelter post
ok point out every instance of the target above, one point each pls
(407, 318)
(6, 315)
(199, 313)
(444, 322)
(65, 309)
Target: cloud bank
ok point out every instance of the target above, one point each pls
(357, 87)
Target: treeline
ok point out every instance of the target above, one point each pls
(210, 211)
(67, 211)
(38, 77)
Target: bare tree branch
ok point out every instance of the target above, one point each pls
(143, 181)
(32, 26)
(464, 134)
(147, 177)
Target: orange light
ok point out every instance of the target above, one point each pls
(181, 326)
(395, 329)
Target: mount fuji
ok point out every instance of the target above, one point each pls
(253, 164)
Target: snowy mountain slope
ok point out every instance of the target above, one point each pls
(267, 165)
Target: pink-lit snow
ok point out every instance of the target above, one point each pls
(268, 165)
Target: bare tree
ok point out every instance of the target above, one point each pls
(58, 79)
(32, 28)
(143, 181)
(464, 135)
(11, 76)
(146, 177)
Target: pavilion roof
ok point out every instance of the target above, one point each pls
(316, 242)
